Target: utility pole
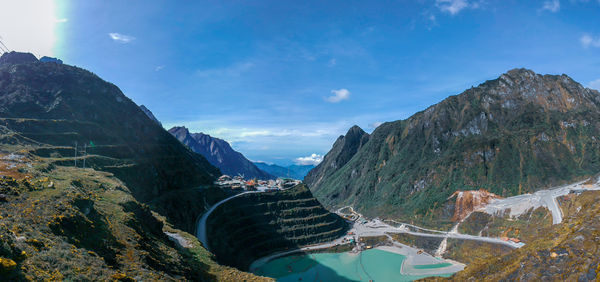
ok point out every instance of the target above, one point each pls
(75, 153)
(84, 153)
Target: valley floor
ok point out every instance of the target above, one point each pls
(512, 206)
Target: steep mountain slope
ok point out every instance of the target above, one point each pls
(293, 171)
(61, 221)
(61, 108)
(511, 135)
(219, 153)
(344, 148)
(149, 114)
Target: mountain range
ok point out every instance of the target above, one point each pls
(291, 171)
(219, 153)
(512, 135)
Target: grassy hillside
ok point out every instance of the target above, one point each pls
(66, 223)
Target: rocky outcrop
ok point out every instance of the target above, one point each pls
(219, 153)
(512, 135)
(469, 201)
(150, 114)
(17, 58)
(344, 148)
(47, 59)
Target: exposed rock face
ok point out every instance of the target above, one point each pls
(17, 58)
(219, 153)
(344, 148)
(469, 201)
(150, 114)
(515, 134)
(47, 59)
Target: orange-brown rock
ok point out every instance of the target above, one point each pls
(469, 201)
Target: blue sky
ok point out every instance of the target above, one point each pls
(281, 80)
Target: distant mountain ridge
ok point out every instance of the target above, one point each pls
(292, 171)
(515, 134)
(219, 153)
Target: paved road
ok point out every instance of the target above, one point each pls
(378, 228)
(201, 231)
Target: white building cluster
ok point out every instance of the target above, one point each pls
(238, 183)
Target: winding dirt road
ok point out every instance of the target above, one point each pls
(201, 230)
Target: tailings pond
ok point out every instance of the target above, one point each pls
(370, 265)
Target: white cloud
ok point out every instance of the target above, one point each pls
(587, 41)
(159, 68)
(552, 6)
(376, 124)
(595, 84)
(278, 133)
(452, 6)
(121, 38)
(338, 95)
(29, 26)
(313, 159)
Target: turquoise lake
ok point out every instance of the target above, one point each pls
(376, 265)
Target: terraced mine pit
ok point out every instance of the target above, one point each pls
(255, 225)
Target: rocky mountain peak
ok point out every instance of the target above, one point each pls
(344, 148)
(355, 131)
(219, 153)
(17, 58)
(555, 92)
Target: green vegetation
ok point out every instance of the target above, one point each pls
(526, 227)
(81, 224)
(255, 225)
(568, 251)
(512, 135)
(59, 221)
(469, 251)
(427, 244)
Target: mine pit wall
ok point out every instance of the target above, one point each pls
(255, 225)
